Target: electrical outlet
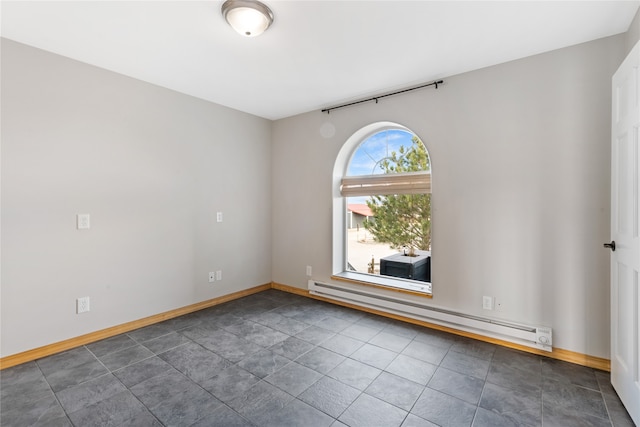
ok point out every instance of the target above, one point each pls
(212, 276)
(83, 221)
(219, 216)
(219, 275)
(309, 270)
(487, 303)
(82, 305)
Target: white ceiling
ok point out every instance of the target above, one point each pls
(316, 54)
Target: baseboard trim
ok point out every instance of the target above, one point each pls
(58, 347)
(556, 353)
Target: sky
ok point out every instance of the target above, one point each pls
(375, 148)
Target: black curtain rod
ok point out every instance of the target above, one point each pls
(375, 98)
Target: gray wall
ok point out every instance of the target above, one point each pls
(633, 35)
(520, 157)
(152, 167)
(521, 193)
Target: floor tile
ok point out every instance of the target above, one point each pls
(330, 396)
(125, 357)
(442, 409)
(617, 412)
(367, 411)
(42, 412)
(315, 335)
(360, 332)
(59, 380)
(185, 408)
(561, 416)
(80, 396)
(228, 345)
(223, 417)
(18, 374)
(412, 369)
(142, 371)
(19, 394)
(583, 400)
(162, 387)
(415, 421)
(310, 315)
(374, 322)
(150, 332)
(342, 344)
(435, 338)
(291, 348)
(280, 323)
(296, 414)
(570, 373)
(518, 407)
(166, 342)
(260, 403)
(514, 378)
(464, 387)
(263, 363)
(334, 324)
(390, 341)
(518, 360)
(321, 360)
(355, 374)
(395, 390)
(372, 355)
(257, 333)
(486, 418)
(113, 411)
(293, 378)
(465, 364)
(65, 360)
(402, 329)
(425, 352)
(200, 330)
(111, 345)
(195, 361)
(182, 322)
(230, 383)
(475, 348)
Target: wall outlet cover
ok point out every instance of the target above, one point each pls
(82, 305)
(83, 221)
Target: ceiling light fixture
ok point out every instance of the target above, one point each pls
(248, 17)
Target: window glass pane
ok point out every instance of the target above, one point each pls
(390, 235)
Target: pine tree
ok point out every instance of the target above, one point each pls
(403, 220)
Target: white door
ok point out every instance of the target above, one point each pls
(625, 225)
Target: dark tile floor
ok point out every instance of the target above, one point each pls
(277, 359)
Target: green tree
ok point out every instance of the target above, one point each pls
(403, 220)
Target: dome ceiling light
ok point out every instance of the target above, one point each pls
(248, 17)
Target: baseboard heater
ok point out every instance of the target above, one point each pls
(537, 337)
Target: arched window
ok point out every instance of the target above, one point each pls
(385, 192)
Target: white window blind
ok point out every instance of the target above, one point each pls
(391, 183)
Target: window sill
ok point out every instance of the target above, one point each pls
(395, 284)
